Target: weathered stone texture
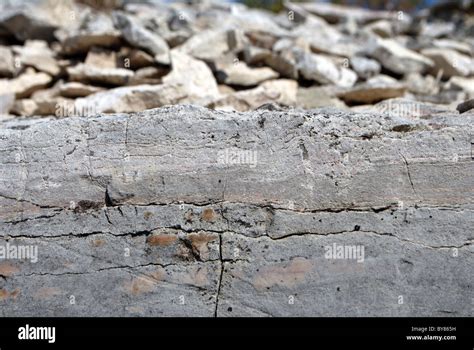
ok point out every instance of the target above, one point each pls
(138, 214)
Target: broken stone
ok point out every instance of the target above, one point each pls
(423, 85)
(147, 75)
(210, 45)
(142, 38)
(97, 29)
(328, 40)
(92, 74)
(449, 62)
(286, 88)
(284, 63)
(129, 99)
(365, 67)
(323, 70)
(398, 58)
(28, 22)
(375, 89)
(238, 73)
(101, 58)
(382, 28)
(37, 54)
(136, 59)
(24, 85)
(194, 77)
(255, 55)
(25, 107)
(75, 89)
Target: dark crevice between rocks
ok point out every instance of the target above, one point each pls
(221, 275)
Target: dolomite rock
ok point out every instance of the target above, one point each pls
(238, 73)
(96, 29)
(24, 85)
(323, 70)
(378, 88)
(129, 99)
(449, 62)
(134, 213)
(28, 22)
(142, 38)
(76, 89)
(37, 54)
(92, 74)
(397, 58)
(365, 67)
(193, 75)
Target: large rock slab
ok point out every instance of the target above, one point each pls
(184, 211)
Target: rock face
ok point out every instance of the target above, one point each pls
(185, 211)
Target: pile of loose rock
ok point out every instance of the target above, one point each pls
(66, 58)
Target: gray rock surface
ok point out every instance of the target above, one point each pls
(185, 211)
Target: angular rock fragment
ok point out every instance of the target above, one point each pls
(101, 58)
(27, 83)
(365, 67)
(97, 75)
(449, 63)
(96, 29)
(238, 73)
(375, 89)
(382, 28)
(210, 45)
(399, 59)
(28, 22)
(142, 38)
(130, 99)
(76, 89)
(323, 70)
(147, 75)
(194, 77)
(37, 54)
(135, 59)
(423, 85)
